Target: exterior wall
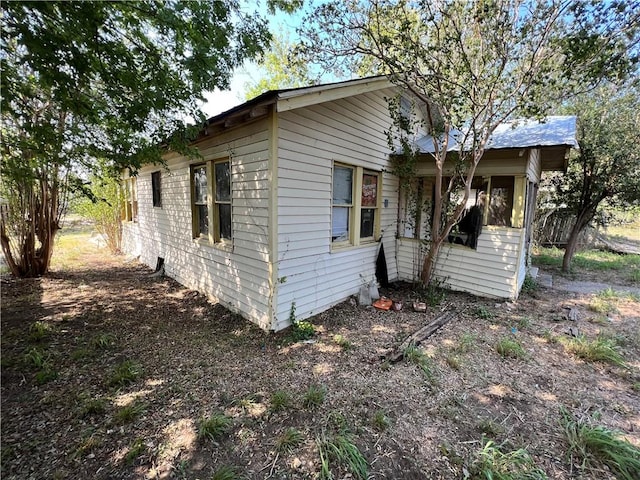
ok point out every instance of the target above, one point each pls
(497, 267)
(310, 274)
(491, 270)
(237, 276)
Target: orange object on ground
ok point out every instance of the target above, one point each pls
(383, 303)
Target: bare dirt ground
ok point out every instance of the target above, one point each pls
(195, 359)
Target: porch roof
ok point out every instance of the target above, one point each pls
(552, 131)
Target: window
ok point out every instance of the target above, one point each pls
(416, 206)
(156, 189)
(354, 216)
(223, 200)
(211, 201)
(500, 201)
(130, 210)
(200, 200)
(498, 211)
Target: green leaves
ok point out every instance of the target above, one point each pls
(108, 80)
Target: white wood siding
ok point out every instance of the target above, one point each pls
(489, 271)
(352, 131)
(237, 277)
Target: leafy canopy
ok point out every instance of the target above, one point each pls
(115, 81)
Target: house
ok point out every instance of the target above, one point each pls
(283, 215)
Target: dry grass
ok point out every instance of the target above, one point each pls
(285, 404)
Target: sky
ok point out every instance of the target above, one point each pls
(220, 101)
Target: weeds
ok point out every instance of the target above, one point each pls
(94, 406)
(81, 354)
(342, 342)
(493, 464)
(227, 473)
(417, 356)
(39, 331)
(530, 285)
(281, 400)
(602, 305)
(35, 357)
(46, 375)
(87, 446)
(509, 348)
(453, 361)
(135, 450)
(301, 330)
(489, 427)
(128, 413)
(598, 444)
(466, 342)
(483, 312)
(214, 427)
(288, 440)
(601, 349)
(104, 341)
(314, 396)
(380, 421)
(524, 323)
(124, 374)
(341, 450)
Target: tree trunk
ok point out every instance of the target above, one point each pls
(582, 221)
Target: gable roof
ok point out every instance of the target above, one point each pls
(290, 98)
(552, 131)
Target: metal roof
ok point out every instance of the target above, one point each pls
(559, 130)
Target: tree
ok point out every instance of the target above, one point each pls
(104, 207)
(606, 169)
(279, 69)
(473, 65)
(111, 80)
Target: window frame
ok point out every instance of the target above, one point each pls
(213, 235)
(356, 207)
(156, 188)
(216, 204)
(130, 206)
(412, 210)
